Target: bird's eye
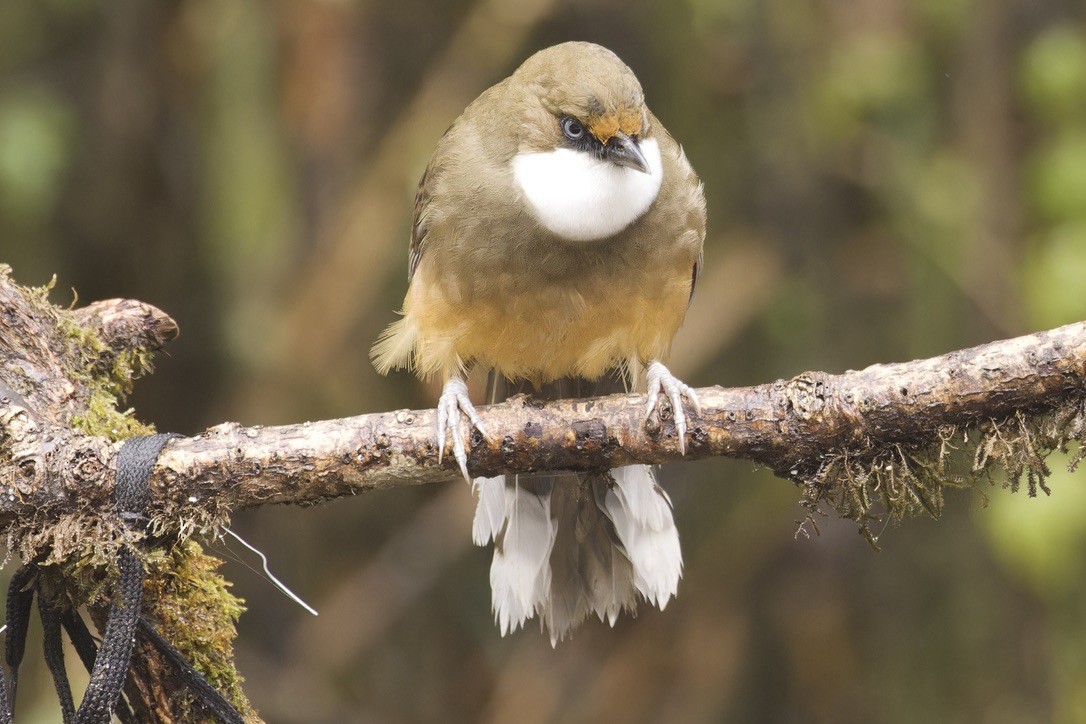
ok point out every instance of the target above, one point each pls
(573, 129)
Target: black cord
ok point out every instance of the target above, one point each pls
(80, 635)
(114, 657)
(20, 600)
(53, 647)
(210, 698)
(109, 664)
(87, 650)
(135, 463)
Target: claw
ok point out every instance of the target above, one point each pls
(452, 406)
(660, 380)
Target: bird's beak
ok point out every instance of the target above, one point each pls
(624, 151)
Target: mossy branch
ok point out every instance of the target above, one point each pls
(874, 444)
(62, 374)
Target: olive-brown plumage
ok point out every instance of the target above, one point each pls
(557, 234)
(491, 285)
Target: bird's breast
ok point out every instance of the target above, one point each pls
(601, 312)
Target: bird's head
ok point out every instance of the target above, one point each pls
(587, 159)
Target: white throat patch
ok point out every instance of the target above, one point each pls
(582, 198)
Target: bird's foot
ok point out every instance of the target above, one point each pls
(660, 381)
(452, 407)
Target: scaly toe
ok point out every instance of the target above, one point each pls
(442, 420)
(453, 405)
(654, 394)
(680, 417)
(660, 380)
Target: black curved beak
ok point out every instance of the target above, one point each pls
(624, 151)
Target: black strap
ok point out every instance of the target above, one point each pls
(110, 664)
(80, 635)
(53, 647)
(210, 698)
(87, 650)
(111, 667)
(135, 463)
(20, 600)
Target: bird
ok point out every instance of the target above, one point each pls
(557, 240)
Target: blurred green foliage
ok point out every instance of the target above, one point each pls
(886, 179)
(1053, 74)
(35, 149)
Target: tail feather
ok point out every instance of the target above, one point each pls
(394, 347)
(490, 511)
(590, 572)
(566, 606)
(569, 545)
(641, 513)
(520, 575)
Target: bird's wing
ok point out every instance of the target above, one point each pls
(695, 274)
(420, 222)
(432, 177)
(687, 193)
(696, 205)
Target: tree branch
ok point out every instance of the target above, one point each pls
(788, 426)
(791, 426)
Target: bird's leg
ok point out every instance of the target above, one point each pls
(451, 406)
(660, 380)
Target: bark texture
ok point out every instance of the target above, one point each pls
(790, 426)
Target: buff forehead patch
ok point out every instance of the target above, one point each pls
(606, 126)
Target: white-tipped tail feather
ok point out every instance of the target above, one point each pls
(641, 513)
(520, 576)
(490, 511)
(569, 545)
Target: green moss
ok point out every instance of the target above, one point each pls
(81, 551)
(194, 609)
(102, 418)
(107, 383)
(105, 375)
(190, 602)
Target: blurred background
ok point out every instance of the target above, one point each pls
(886, 180)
